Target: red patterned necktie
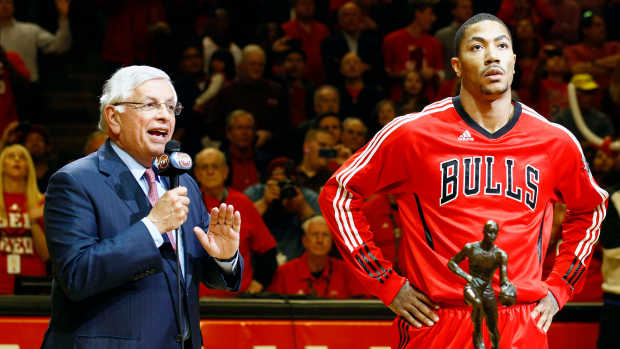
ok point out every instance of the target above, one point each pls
(153, 197)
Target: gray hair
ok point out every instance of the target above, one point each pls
(306, 224)
(122, 85)
(353, 120)
(325, 88)
(251, 48)
(230, 119)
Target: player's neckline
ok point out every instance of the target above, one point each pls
(456, 101)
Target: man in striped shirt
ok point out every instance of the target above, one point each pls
(453, 166)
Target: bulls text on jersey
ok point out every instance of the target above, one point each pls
(465, 177)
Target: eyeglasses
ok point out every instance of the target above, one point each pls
(153, 106)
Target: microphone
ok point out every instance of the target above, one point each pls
(172, 163)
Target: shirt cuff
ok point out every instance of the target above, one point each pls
(228, 265)
(155, 234)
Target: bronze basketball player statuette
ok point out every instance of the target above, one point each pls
(484, 259)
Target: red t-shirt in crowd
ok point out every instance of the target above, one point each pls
(254, 236)
(552, 97)
(402, 52)
(311, 44)
(17, 253)
(295, 278)
(243, 171)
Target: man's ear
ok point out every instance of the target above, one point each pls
(112, 118)
(456, 65)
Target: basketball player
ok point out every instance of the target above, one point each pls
(453, 166)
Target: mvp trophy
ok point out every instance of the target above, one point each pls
(484, 258)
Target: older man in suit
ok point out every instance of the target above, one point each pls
(108, 219)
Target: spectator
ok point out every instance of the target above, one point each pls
(219, 37)
(190, 83)
(536, 11)
(256, 245)
(413, 99)
(246, 161)
(565, 28)
(300, 90)
(385, 111)
(331, 123)
(264, 99)
(25, 38)
(284, 205)
(611, 100)
(326, 100)
(94, 141)
(318, 150)
(593, 54)
(413, 48)
(548, 87)
(610, 241)
(352, 39)
(461, 11)
(14, 79)
(22, 240)
(354, 133)
(527, 47)
(311, 33)
(131, 29)
(315, 273)
(596, 121)
(356, 97)
(36, 139)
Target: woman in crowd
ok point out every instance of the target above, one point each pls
(23, 249)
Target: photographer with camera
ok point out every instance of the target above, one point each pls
(284, 205)
(318, 151)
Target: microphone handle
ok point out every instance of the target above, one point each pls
(174, 181)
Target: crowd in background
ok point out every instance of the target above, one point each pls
(278, 94)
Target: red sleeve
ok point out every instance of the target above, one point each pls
(586, 207)
(377, 167)
(17, 63)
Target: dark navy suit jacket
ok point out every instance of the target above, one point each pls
(113, 287)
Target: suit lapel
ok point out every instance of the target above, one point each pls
(121, 181)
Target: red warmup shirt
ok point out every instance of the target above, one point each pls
(16, 243)
(449, 176)
(254, 237)
(295, 278)
(383, 220)
(311, 44)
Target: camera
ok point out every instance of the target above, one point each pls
(287, 189)
(328, 153)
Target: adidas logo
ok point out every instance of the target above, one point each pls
(465, 136)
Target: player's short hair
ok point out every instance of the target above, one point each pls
(458, 37)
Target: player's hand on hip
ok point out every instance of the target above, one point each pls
(171, 210)
(546, 309)
(222, 238)
(414, 306)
